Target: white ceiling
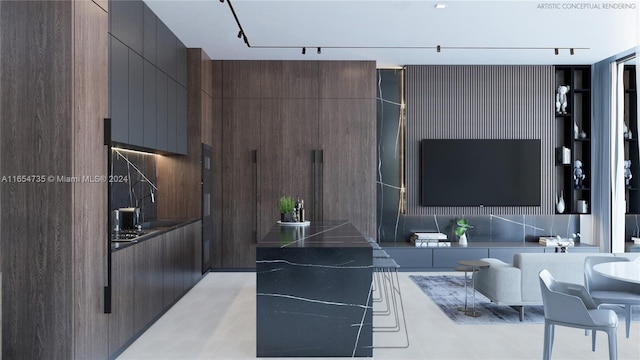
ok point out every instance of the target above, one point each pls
(397, 33)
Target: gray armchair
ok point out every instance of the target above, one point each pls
(567, 304)
(605, 290)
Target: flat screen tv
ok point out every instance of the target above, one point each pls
(480, 172)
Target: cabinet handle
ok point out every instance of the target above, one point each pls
(318, 160)
(256, 192)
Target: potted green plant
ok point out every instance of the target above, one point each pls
(285, 205)
(462, 225)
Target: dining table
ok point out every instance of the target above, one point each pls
(625, 271)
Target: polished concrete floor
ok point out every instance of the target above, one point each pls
(216, 320)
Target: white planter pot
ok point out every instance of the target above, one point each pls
(462, 240)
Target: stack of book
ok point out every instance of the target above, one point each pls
(554, 241)
(425, 239)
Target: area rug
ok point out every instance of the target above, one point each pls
(447, 291)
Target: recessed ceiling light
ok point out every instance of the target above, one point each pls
(441, 6)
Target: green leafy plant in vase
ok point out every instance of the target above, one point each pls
(462, 225)
(286, 206)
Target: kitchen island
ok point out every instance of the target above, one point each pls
(314, 291)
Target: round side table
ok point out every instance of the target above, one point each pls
(466, 270)
(475, 265)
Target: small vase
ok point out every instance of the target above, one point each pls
(560, 204)
(463, 240)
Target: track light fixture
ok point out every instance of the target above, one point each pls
(438, 48)
(319, 51)
(557, 51)
(239, 34)
(304, 50)
(571, 51)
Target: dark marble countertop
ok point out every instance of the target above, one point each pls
(150, 229)
(335, 233)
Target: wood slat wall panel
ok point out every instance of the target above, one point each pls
(89, 155)
(492, 102)
(36, 234)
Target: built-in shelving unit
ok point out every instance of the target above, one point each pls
(631, 150)
(573, 125)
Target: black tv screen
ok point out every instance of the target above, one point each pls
(480, 172)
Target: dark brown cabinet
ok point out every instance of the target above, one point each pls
(148, 281)
(295, 128)
(148, 277)
(121, 319)
(241, 141)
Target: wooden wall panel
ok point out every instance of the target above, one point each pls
(240, 79)
(347, 138)
(347, 79)
(239, 205)
(217, 148)
(216, 77)
(490, 102)
(36, 234)
(288, 131)
(89, 199)
(289, 79)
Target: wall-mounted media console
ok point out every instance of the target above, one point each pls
(480, 172)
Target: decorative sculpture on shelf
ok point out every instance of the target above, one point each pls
(561, 99)
(627, 173)
(578, 174)
(627, 134)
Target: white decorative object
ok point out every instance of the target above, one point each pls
(578, 174)
(560, 204)
(292, 223)
(576, 131)
(463, 240)
(561, 99)
(627, 173)
(583, 207)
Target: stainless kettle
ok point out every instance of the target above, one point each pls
(129, 217)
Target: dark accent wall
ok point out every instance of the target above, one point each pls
(482, 102)
(393, 225)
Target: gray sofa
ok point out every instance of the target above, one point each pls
(518, 285)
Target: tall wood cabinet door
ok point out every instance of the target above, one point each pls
(288, 138)
(121, 319)
(241, 140)
(347, 137)
(148, 281)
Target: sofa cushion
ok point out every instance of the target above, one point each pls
(568, 267)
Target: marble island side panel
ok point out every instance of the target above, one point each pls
(314, 292)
